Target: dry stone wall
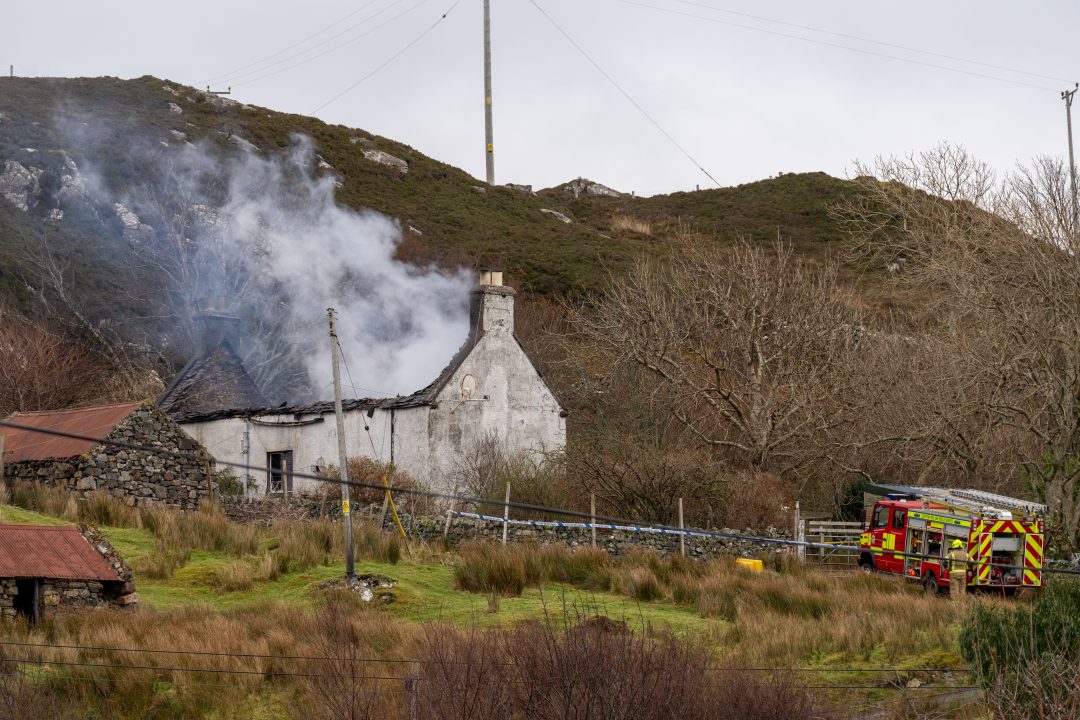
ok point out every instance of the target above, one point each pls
(266, 511)
(138, 477)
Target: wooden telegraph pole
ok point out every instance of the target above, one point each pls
(1067, 96)
(346, 516)
(489, 133)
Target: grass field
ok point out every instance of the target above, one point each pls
(832, 629)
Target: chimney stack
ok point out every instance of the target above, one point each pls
(492, 305)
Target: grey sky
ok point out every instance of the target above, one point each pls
(746, 104)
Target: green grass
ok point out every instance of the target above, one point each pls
(425, 591)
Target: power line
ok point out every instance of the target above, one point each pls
(296, 44)
(335, 48)
(835, 45)
(341, 352)
(871, 41)
(630, 524)
(625, 94)
(196, 653)
(391, 59)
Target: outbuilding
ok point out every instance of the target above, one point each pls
(45, 570)
(139, 470)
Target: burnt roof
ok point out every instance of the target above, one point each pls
(60, 553)
(212, 382)
(98, 421)
(315, 408)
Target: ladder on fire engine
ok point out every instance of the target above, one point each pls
(979, 502)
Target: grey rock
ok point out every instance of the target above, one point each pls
(384, 158)
(174, 108)
(557, 215)
(19, 184)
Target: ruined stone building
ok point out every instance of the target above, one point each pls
(135, 476)
(489, 393)
(46, 570)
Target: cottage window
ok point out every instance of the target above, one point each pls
(279, 471)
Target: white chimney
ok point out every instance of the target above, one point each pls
(492, 305)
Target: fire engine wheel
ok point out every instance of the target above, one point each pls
(930, 584)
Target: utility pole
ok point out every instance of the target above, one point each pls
(346, 516)
(1067, 96)
(489, 134)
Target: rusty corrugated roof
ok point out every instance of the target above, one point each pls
(61, 553)
(96, 422)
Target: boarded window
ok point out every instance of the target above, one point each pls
(279, 471)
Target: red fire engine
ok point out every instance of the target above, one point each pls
(909, 531)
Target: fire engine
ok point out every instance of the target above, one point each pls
(909, 531)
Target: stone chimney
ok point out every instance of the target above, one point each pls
(492, 307)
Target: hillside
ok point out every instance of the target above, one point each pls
(108, 186)
(461, 220)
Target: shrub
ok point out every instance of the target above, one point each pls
(590, 668)
(1028, 657)
(486, 568)
(640, 583)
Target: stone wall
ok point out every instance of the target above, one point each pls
(58, 596)
(266, 511)
(137, 477)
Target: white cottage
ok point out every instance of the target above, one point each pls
(490, 389)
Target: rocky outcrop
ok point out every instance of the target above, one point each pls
(588, 187)
(19, 184)
(557, 215)
(135, 230)
(385, 158)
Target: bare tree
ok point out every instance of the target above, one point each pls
(744, 345)
(999, 270)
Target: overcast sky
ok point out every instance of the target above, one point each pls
(745, 104)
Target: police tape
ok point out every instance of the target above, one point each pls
(649, 529)
(729, 536)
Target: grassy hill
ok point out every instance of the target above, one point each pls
(459, 218)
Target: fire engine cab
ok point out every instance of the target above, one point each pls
(909, 530)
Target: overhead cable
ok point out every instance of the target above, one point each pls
(624, 93)
(389, 60)
(641, 527)
(835, 45)
(859, 38)
(335, 48)
(296, 44)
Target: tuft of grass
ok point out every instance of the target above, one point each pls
(641, 584)
(490, 568)
(631, 224)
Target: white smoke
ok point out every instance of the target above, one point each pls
(398, 325)
(262, 237)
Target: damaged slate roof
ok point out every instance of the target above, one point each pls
(56, 553)
(214, 382)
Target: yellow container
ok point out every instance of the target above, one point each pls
(751, 565)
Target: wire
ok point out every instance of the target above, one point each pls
(389, 60)
(341, 353)
(198, 653)
(625, 94)
(296, 44)
(834, 45)
(214, 671)
(659, 528)
(873, 42)
(361, 36)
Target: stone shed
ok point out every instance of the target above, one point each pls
(46, 570)
(138, 477)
